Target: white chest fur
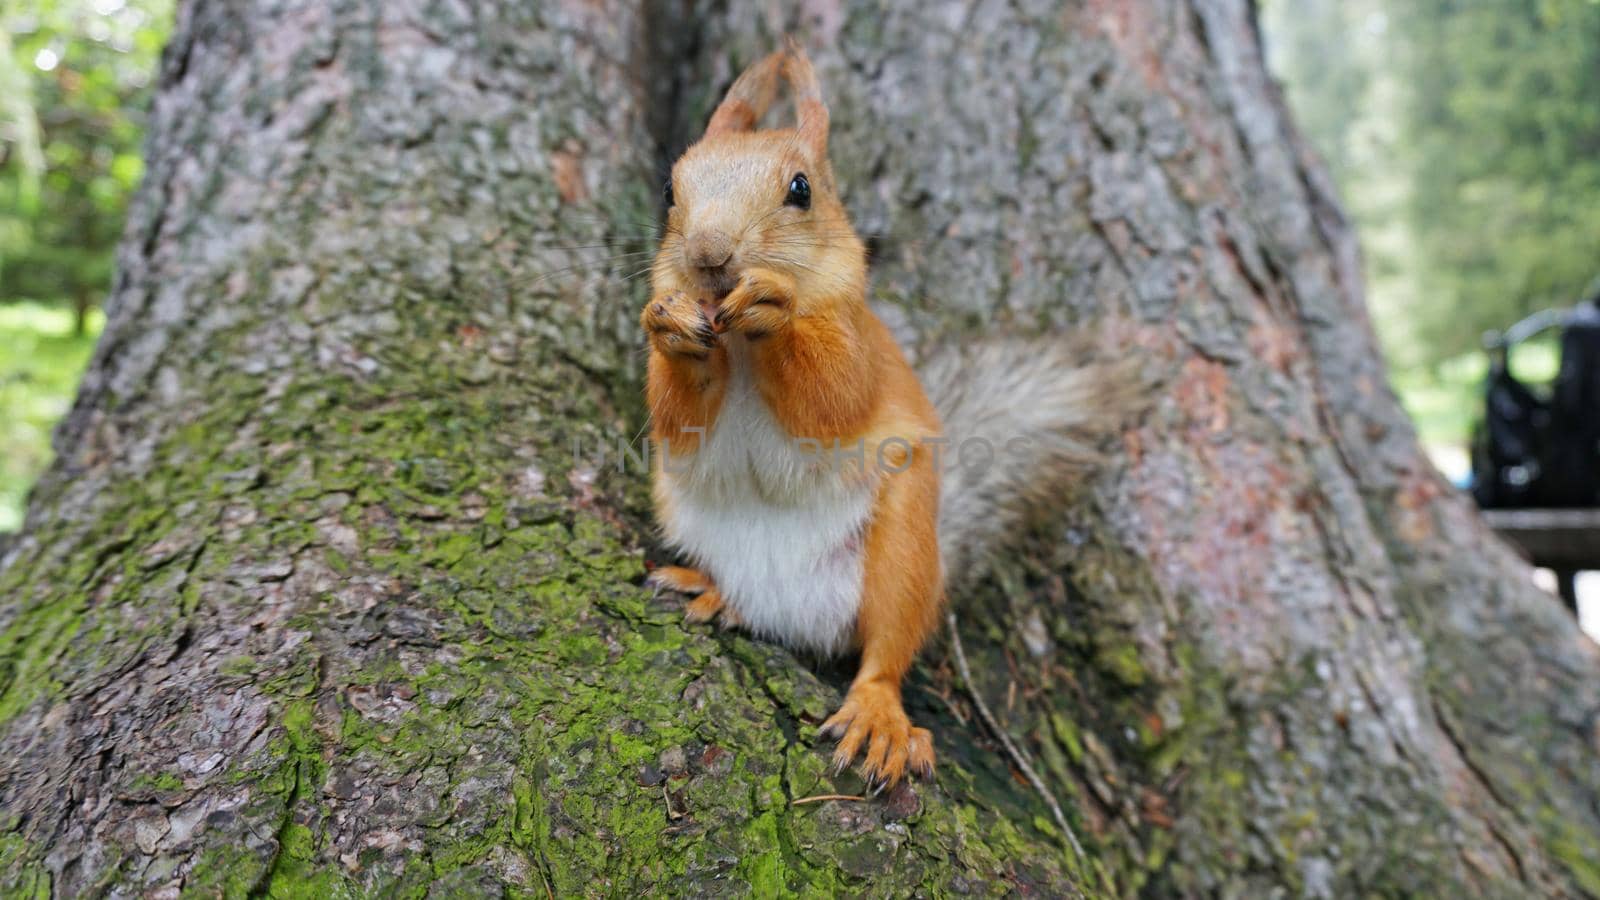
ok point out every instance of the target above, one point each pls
(777, 528)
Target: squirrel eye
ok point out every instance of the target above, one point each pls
(799, 192)
(666, 193)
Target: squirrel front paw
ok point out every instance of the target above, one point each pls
(677, 326)
(759, 304)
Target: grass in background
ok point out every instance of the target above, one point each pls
(1446, 400)
(41, 361)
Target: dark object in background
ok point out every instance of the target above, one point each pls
(1505, 447)
(1532, 452)
(1573, 458)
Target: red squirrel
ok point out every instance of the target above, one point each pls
(798, 461)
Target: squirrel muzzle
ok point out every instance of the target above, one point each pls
(708, 253)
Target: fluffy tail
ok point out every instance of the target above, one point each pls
(1023, 419)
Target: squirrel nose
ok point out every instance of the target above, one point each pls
(708, 249)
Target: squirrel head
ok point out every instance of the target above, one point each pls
(742, 197)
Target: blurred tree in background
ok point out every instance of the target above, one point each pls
(1465, 139)
(1503, 120)
(75, 78)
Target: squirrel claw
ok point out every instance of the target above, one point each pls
(723, 320)
(703, 608)
(757, 306)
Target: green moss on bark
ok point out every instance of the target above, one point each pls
(506, 693)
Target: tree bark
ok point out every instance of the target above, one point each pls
(319, 597)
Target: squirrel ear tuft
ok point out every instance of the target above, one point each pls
(754, 90)
(811, 114)
(748, 99)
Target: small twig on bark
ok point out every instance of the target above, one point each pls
(1005, 739)
(821, 797)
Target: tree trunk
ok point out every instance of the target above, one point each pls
(82, 302)
(319, 597)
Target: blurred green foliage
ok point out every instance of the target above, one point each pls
(1503, 121)
(1464, 136)
(75, 81)
(43, 358)
(76, 77)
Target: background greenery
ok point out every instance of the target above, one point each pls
(1464, 136)
(39, 368)
(75, 79)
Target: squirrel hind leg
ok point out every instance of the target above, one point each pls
(681, 579)
(901, 596)
(706, 601)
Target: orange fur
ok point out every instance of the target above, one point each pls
(794, 283)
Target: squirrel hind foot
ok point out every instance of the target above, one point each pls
(875, 724)
(706, 603)
(705, 607)
(681, 579)
(710, 605)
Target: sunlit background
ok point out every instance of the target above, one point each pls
(1464, 137)
(75, 79)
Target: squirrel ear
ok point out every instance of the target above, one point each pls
(811, 114)
(748, 99)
